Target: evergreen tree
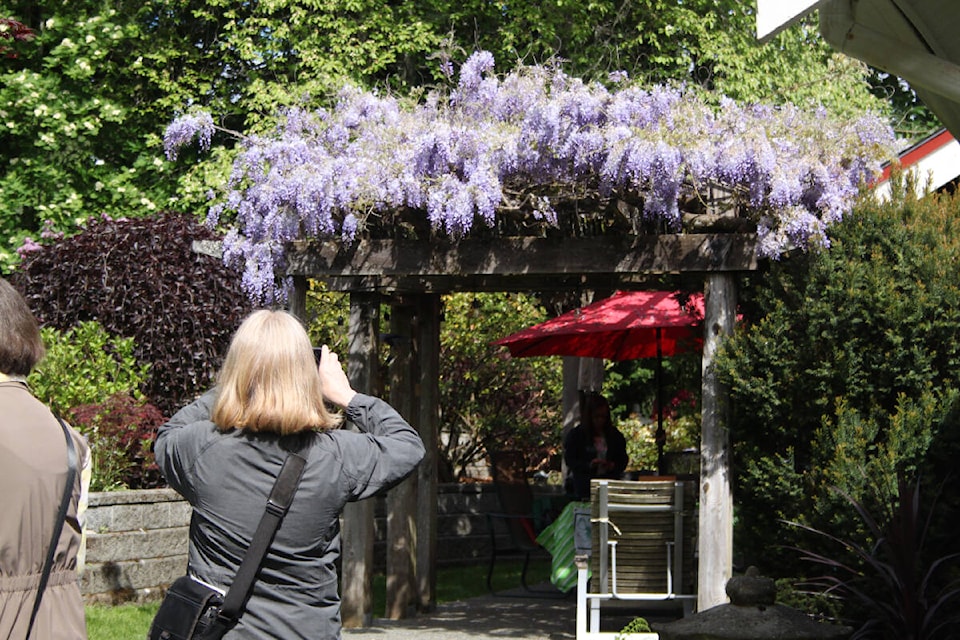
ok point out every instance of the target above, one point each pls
(842, 373)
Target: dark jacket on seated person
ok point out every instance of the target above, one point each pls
(597, 450)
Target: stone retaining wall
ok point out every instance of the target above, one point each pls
(136, 544)
(137, 540)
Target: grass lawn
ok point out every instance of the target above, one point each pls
(124, 622)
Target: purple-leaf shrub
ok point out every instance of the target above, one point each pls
(141, 279)
(528, 151)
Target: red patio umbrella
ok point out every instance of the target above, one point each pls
(626, 326)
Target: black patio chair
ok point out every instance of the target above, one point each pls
(518, 516)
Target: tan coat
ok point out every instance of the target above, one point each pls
(33, 469)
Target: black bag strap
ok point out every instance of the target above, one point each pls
(58, 526)
(277, 504)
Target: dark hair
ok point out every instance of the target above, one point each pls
(21, 347)
(591, 402)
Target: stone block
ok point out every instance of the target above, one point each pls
(130, 580)
(141, 544)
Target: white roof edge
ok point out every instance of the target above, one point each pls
(934, 162)
(773, 16)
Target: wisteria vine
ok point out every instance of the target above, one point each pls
(522, 145)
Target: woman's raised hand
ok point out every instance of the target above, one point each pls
(336, 386)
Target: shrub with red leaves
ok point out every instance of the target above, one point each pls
(13, 31)
(121, 431)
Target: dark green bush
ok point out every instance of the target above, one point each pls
(833, 344)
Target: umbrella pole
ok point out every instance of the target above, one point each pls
(661, 435)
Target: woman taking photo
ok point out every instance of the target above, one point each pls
(223, 453)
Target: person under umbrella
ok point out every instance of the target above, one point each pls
(593, 449)
(626, 326)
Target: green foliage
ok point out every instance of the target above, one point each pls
(489, 399)
(912, 119)
(637, 625)
(682, 433)
(843, 369)
(83, 105)
(141, 278)
(768, 490)
(641, 443)
(630, 386)
(74, 120)
(84, 365)
(706, 43)
(95, 381)
(870, 454)
(328, 314)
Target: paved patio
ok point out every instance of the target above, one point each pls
(508, 614)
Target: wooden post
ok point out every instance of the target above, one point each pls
(402, 499)
(570, 402)
(357, 524)
(427, 343)
(297, 303)
(715, 537)
(591, 374)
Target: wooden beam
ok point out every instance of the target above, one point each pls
(438, 267)
(297, 302)
(473, 284)
(401, 599)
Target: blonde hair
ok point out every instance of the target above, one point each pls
(269, 380)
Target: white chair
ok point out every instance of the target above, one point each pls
(643, 548)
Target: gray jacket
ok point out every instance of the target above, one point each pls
(226, 478)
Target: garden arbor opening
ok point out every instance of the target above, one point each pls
(531, 181)
(410, 276)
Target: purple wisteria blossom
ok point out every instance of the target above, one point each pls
(186, 128)
(523, 144)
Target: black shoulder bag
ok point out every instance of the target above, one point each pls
(191, 610)
(58, 526)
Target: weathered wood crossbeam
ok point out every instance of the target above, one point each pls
(517, 263)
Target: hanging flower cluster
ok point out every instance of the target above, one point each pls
(522, 147)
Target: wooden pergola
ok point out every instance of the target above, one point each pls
(410, 276)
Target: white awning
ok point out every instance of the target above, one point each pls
(773, 16)
(915, 40)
